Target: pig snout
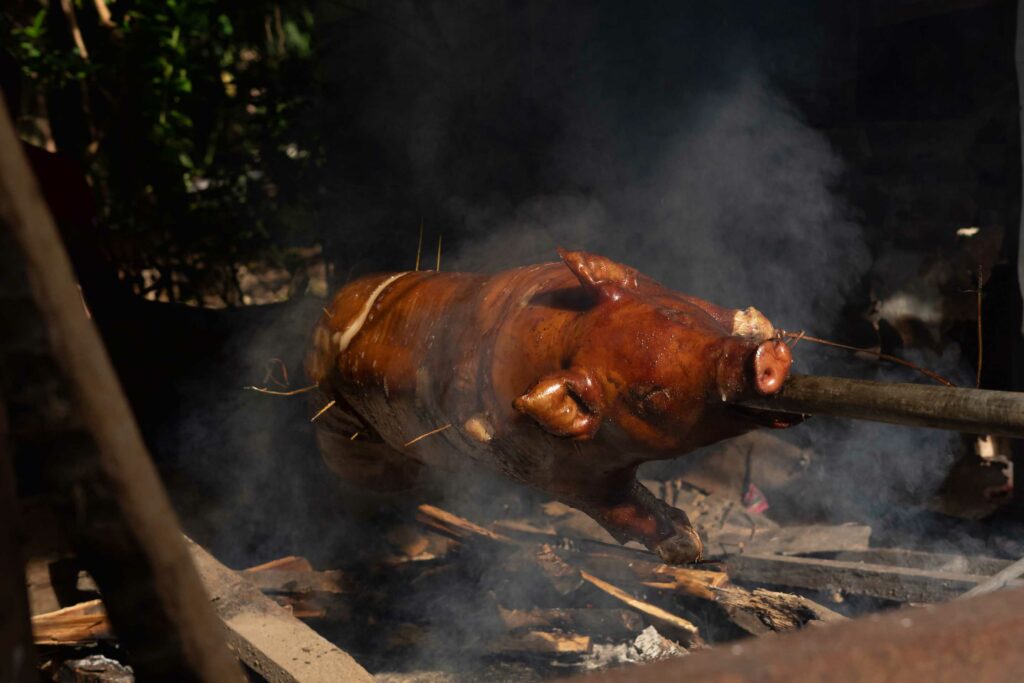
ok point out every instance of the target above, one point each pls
(746, 368)
(772, 360)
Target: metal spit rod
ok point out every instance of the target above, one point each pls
(974, 411)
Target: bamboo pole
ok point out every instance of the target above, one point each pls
(974, 411)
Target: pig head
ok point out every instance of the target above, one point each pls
(564, 376)
(650, 374)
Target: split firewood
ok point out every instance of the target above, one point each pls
(79, 624)
(527, 533)
(754, 612)
(300, 582)
(653, 574)
(565, 577)
(305, 592)
(673, 624)
(612, 624)
(521, 526)
(647, 570)
(998, 581)
(455, 526)
(301, 608)
(413, 544)
(761, 611)
(541, 642)
(289, 563)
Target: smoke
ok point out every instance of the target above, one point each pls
(669, 141)
(737, 207)
(740, 207)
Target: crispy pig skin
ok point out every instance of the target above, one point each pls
(564, 376)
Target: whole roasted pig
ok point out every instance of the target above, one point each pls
(564, 376)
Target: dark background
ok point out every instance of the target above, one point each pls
(815, 159)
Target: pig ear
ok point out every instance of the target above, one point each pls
(564, 403)
(599, 275)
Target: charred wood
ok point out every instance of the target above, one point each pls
(899, 584)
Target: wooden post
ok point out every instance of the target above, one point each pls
(974, 411)
(1017, 362)
(267, 637)
(17, 653)
(68, 412)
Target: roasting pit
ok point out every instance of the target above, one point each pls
(528, 589)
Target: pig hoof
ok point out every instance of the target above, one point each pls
(683, 548)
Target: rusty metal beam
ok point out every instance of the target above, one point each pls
(968, 640)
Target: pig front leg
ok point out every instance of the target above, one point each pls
(630, 512)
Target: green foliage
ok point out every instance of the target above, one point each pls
(53, 67)
(196, 141)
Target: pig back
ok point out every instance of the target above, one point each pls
(403, 354)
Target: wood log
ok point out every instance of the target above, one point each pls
(725, 531)
(293, 583)
(752, 612)
(300, 582)
(799, 540)
(73, 417)
(651, 573)
(308, 608)
(919, 559)
(79, 624)
(975, 640)
(265, 636)
(541, 642)
(565, 578)
(15, 635)
(672, 624)
(455, 526)
(763, 611)
(612, 624)
(974, 411)
(289, 563)
(900, 584)
(998, 581)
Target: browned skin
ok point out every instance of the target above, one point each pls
(564, 376)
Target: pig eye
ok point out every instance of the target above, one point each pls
(653, 400)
